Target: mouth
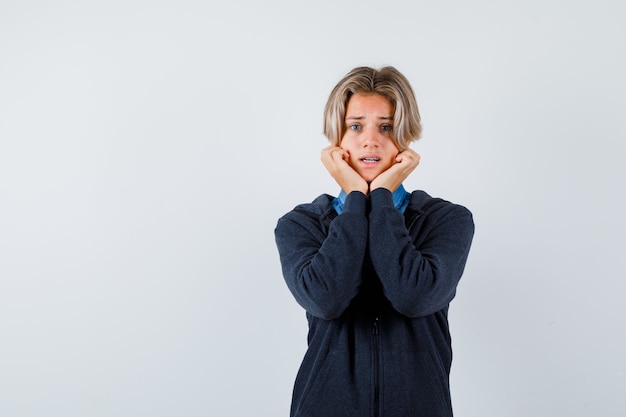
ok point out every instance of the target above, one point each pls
(370, 162)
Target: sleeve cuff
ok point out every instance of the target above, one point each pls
(356, 201)
(380, 198)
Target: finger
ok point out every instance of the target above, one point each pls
(339, 154)
(329, 152)
(409, 156)
(404, 156)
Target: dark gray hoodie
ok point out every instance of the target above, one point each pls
(376, 285)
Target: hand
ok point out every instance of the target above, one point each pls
(334, 159)
(406, 162)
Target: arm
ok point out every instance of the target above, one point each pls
(419, 277)
(323, 272)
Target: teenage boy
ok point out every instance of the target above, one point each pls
(376, 267)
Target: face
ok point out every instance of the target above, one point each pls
(369, 133)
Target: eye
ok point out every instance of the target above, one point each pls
(386, 128)
(355, 127)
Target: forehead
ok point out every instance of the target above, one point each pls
(361, 105)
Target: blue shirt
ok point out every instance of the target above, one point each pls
(401, 199)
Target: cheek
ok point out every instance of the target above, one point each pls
(392, 158)
(390, 163)
(393, 151)
(346, 143)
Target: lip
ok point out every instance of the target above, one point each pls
(369, 160)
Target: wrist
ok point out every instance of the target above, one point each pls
(362, 187)
(379, 185)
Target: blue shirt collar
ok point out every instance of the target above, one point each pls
(401, 199)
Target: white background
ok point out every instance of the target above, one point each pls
(148, 148)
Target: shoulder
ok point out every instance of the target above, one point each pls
(313, 213)
(318, 207)
(436, 209)
(423, 201)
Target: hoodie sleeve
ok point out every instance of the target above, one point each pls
(323, 270)
(419, 277)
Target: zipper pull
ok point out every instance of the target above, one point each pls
(375, 326)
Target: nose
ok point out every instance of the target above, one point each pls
(371, 138)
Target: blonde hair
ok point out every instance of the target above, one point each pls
(387, 82)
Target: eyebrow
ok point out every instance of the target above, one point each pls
(362, 117)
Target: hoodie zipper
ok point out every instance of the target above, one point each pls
(376, 368)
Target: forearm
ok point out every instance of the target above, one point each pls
(323, 269)
(419, 274)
